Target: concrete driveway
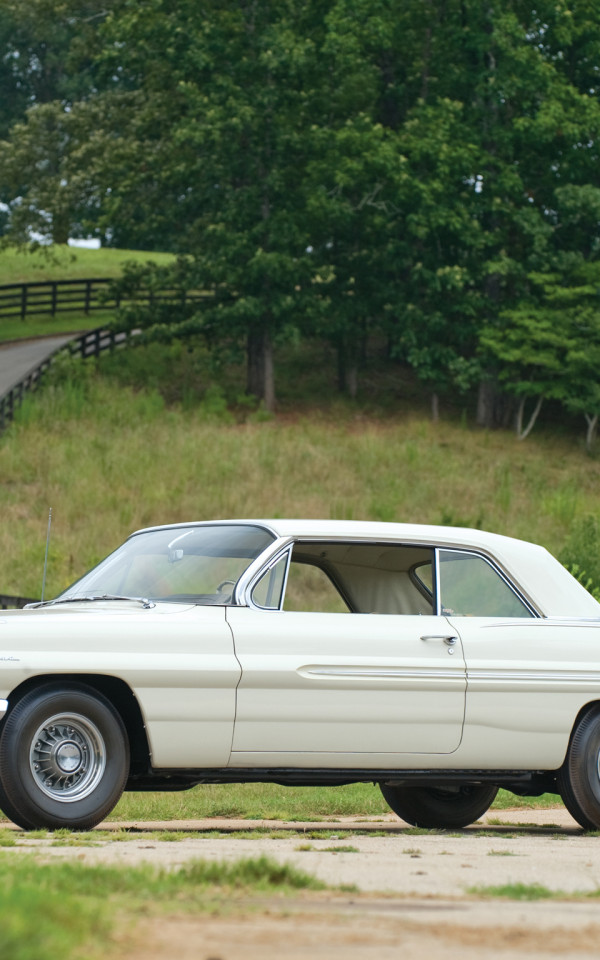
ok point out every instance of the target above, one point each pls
(18, 359)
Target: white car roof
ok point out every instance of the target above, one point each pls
(539, 575)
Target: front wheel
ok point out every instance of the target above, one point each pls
(444, 808)
(64, 758)
(579, 777)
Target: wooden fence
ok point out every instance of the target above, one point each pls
(90, 344)
(78, 296)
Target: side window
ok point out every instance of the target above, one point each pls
(267, 591)
(471, 587)
(310, 589)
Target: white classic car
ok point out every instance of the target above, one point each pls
(437, 662)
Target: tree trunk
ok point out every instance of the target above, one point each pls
(522, 434)
(347, 368)
(435, 407)
(592, 423)
(485, 404)
(260, 377)
(494, 408)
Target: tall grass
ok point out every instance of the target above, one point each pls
(110, 459)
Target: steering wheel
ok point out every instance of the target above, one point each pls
(225, 583)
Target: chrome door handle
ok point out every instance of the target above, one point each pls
(450, 641)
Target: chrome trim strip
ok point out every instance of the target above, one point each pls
(542, 622)
(437, 594)
(365, 673)
(516, 676)
(3, 708)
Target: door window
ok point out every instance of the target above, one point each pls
(472, 587)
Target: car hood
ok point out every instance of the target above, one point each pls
(98, 607)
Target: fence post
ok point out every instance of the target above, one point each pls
(88, 294)
(54, 295)
(23, 301)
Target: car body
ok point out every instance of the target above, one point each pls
(438, 662)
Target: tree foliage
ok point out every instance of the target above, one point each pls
(422, 174)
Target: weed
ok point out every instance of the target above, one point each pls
(518, 891)
(342, 848)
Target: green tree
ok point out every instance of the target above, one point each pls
(352, 170)
(237, 88)
(46, 53)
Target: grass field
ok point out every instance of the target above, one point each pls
(269, 801)
(59, 262)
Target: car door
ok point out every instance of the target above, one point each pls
(527, 676)
(349, 689)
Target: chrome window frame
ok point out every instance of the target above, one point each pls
(285, 553)
(272, 554)
(242, 594)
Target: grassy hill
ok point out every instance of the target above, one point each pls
(110, 459)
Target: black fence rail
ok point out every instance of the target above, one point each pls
(53, 296)
(90, 344)
(79, 296)
(14, 603)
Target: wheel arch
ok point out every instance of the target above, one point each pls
(593, 706)
(116, 691)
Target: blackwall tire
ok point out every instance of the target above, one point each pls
(579, 778)
(442, 808)
(64, 758)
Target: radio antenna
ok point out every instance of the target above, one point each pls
(46, 557)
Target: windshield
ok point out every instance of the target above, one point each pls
(195, 564)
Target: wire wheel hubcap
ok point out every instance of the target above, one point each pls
(67, 757)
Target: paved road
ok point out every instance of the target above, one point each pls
(17, 359)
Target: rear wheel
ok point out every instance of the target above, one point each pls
(64, 758)
(579, 778)
(447, 807)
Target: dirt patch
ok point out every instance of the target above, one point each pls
(350, 932)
